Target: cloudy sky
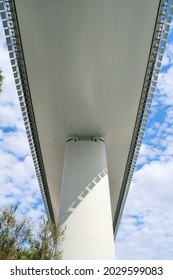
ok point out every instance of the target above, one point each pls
(17, 176)
(146, 229)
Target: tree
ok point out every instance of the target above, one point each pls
(1, 79)
(18, 242)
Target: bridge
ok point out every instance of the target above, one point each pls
(85, 73)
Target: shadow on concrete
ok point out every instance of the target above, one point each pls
(86, 190)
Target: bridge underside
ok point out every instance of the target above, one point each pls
(88, 67)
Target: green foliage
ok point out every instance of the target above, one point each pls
(18, 242)
(1, 80)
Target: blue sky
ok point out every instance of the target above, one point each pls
(17, 176)
(146, 229)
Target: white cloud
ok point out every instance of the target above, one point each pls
(16, 143)
(17, 175)
(146, 230)
(5, 66)
(17, 180)
(168, 55)
(10, 115)
(165, 86)
(148, 152)
(169, 116)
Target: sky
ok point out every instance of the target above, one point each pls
(17, 175)
(146, 228)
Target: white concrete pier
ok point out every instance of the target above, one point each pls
(85, 208)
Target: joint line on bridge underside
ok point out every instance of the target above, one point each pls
(85, 138)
